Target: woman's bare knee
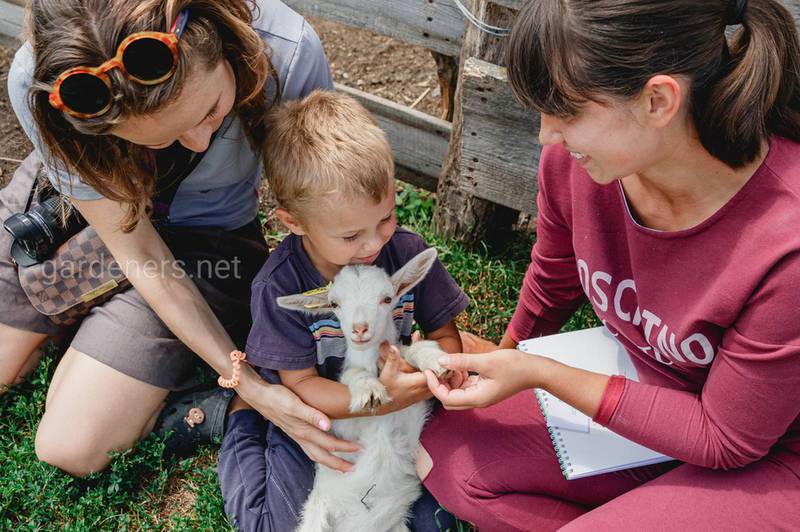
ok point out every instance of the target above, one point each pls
(76, 454)
(93, 409)
(19, 354)
(424, 463)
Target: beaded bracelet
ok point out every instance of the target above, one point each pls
(233, 382)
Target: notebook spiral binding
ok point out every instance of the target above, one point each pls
(555, 436)
(561, 452)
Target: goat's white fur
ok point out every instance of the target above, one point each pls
(377, 495)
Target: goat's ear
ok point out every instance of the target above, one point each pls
(308, 302)
(413, 272)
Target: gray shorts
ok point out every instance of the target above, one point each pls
(124, 333)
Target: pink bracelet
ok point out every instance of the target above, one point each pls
(233, 382)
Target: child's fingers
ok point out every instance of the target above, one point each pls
(387, 349)
(392, 365)
(405, 367)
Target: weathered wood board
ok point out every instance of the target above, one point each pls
(419, 141)
(499, 147)
(434, 24)
(11, 20)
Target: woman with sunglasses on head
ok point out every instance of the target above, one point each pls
(669, 196)
(115, 95)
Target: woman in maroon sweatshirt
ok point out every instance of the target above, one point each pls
(669, 197)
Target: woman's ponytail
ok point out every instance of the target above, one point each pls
(759, 91)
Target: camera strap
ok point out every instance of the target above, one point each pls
(173, 164)
(34, 188)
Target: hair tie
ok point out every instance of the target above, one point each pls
(737, 11)
(236, 358)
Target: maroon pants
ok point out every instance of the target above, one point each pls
(496, 468)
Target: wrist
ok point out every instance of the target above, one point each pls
(537, 371)
(250, 382)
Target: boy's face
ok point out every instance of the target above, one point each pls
(348, 231)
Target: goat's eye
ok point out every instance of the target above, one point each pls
(334, 304)
(387, 300)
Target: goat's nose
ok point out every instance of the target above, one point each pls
(360, 328)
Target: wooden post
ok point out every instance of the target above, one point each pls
(460, 216)
(447, 70)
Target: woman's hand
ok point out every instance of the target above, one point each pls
(500, 374)
(304, 424)
(405, 389)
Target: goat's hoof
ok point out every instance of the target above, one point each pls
(439, 370)
(368, 396)
(430, 361)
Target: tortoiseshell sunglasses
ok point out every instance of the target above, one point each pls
(146, 57)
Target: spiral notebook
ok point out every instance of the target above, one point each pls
(583, 447)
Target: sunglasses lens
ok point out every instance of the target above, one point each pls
(84, 93)
(147, 59)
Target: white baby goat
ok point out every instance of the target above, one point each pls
(377, 495)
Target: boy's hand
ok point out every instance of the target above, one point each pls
(455, 379)
(386, 350)
(405, 389)
(471, 343)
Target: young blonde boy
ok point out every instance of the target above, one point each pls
(331, 170)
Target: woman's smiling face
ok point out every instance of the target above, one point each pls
(607, 140)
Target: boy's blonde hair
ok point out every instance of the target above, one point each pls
(322, 147)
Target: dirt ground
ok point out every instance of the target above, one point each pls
(371, 63)
(14, 145)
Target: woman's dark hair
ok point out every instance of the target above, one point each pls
(68, 33)
(745, 86)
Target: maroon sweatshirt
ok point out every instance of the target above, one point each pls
(710, 315)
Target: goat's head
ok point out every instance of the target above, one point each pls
(363, 298)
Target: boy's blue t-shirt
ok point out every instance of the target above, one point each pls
(292, 340)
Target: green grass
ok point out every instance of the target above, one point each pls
(140, 490)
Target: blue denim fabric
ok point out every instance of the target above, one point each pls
(266, 477)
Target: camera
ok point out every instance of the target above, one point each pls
(38, 232)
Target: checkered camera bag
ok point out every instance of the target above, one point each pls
(80, 275)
